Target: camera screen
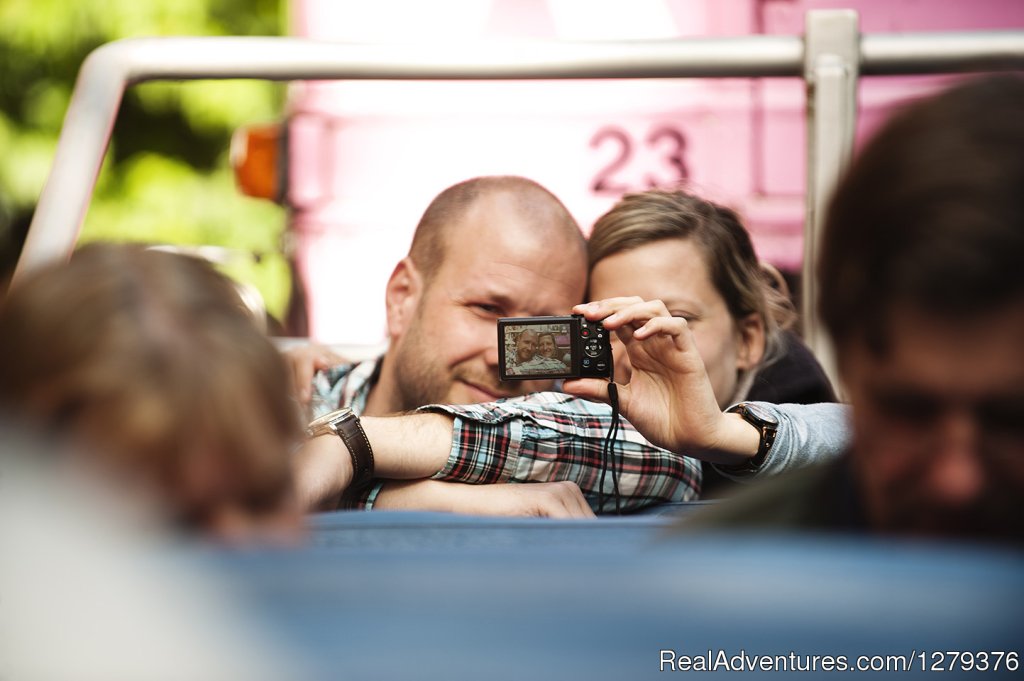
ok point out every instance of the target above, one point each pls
(538, 349)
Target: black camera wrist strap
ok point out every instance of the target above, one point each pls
(609, 459)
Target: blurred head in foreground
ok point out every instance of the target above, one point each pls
(150, 364)
(922, 290)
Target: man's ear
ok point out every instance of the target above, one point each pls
(405, 287)
(751, 332)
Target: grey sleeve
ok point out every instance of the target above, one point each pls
(808, 434)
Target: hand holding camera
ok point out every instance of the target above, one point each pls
(669, 397)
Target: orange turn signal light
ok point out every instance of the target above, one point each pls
(257, 158)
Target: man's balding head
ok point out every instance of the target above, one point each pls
(540, 216)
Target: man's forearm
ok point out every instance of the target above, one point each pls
(404, 447)
(545, 437)
(558, 499)
(409, 447)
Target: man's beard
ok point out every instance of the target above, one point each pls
(994, 516)
(421, 380)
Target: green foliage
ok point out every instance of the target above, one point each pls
(166, 178)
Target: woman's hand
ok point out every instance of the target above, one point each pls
(669, 398)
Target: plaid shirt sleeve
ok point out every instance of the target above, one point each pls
(553, 436)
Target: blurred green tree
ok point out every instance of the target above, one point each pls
(167, 177)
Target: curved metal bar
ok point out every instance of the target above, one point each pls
(295, 58)
(111, 68)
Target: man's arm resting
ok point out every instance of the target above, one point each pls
(549, 438)
(562, 499)
(404, 447)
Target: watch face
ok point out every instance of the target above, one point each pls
(331, 417)
(321, 420)
(761, 415)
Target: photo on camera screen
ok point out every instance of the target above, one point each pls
(543, 349)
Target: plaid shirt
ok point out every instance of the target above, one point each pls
(537, 438)
(346, 385)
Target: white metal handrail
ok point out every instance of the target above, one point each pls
(830, 58)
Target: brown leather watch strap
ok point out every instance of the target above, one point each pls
(354, 437)
(345, 424)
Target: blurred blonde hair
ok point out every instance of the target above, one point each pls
(151, 362)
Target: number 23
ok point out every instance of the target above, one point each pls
(606, 182)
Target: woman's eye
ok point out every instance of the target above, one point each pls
(690, 318)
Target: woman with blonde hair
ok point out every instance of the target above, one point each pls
(697, 257)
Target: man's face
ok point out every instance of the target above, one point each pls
(939, 425)
(495, 265)
(526, 346)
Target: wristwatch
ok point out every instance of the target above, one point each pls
(345, 424)
(766, 424)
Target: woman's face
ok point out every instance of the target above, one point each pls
(674, 271)
(547, 346)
